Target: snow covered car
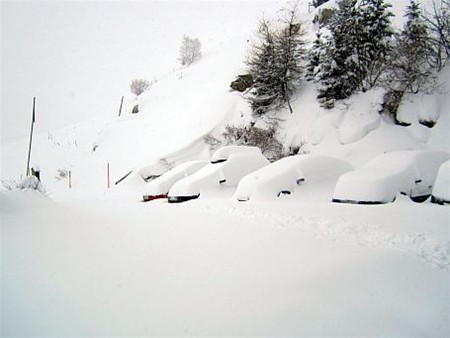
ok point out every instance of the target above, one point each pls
(216, 178)
(226, 152)
(284, 176)
(441, 188)
(159, 187)
(379, 181)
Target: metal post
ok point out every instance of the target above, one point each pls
(31, 136)
(121, 104)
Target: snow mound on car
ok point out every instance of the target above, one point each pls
(409, 172)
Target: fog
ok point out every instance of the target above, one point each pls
(78, 58)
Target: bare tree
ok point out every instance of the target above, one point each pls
(190, 50)
(138, 86)
(439, 24)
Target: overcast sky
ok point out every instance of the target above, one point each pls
(78, 57)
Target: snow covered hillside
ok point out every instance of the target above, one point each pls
(89, 258)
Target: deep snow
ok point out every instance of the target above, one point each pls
(96, 261)
(215, 269)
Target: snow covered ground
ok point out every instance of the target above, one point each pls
(223, 269)
(86, 260)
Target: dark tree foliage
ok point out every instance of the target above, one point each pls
(276, 63)
(356, 51)
(262, 64)
(315, 57)
(338, 80)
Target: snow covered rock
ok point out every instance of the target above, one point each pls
(408, 172)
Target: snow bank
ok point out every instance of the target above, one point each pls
(361, 117)
(409, 172)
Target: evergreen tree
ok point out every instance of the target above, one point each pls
(276, 64)
(374, 41)
(290, 54)
(315, 57)
(261, 63)
(338, 79)
(356, 53)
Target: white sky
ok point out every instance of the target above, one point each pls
(78, 57)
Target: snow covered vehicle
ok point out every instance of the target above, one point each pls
(226, 152)
(159, 187)
(217, 178)
(441, 188)
(284, 176)
(379, 181)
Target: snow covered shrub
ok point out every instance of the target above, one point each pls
(135, 109)
(61, 173)
(391, 101)
(138, 86)
(24, 184)
(190, 50)
(264, 139)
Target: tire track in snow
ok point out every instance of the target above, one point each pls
(430, 249)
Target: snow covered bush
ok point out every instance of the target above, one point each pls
(61, 173)
(138, 86)
(24, 184)
(190, 50)
(262, 138)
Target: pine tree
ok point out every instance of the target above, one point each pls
(338, 80)
(290, 54)
(276, 64)
(315, 57)
(356, 53)
(261, 63)
(374, 41)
